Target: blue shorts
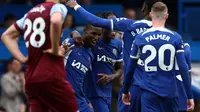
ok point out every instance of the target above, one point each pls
(153, 103)
(135, 101)
(101, 104)
(182, 98)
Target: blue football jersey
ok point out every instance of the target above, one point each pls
(78, 64)
(157, 47)
(182, 96)
(105, 57)
(133, 28)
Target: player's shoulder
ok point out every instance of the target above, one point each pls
(186, 47)
(59, 5)
(117, 40)
(116, 43)
(161, 29)
(143, 22)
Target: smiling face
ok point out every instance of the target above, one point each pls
(91, 35)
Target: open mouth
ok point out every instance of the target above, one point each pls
(94, 41)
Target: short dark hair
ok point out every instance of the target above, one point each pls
(148, 4)
(106, 14)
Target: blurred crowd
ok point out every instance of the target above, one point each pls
(13, 97)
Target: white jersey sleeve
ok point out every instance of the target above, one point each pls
(59, 8)
(20, 23)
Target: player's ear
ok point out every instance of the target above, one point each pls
(150, 15)
(166, 16)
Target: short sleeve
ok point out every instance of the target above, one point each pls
(19, 25)
(135, 51)
(179, 44)
(121, 24)
(120, 53)
(59, 8)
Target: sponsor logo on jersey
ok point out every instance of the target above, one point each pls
(105, 59)
(79, 66)
(38, 9)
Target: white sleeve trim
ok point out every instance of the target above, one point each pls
(120, 60)
(20, 22)
(111, 25)
(186, 44)
(59, 8)
(76, 7)
(134, 57)
(179, 51)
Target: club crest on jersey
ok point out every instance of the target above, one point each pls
(115, 52)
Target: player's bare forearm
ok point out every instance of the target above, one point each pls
(55, 31)
(9, 38)
(118, 70)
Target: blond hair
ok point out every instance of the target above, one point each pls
(159, 10)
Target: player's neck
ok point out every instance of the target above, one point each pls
(147, 17)
(158, 23)
(106, 38)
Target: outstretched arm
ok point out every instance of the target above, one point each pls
(119, 24)
(92, 19)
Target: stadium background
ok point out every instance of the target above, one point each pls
(184, 18)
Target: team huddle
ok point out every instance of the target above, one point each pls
(76, 76)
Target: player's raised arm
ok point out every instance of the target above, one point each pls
(183, 68)
(9, 38)
(58, 14)
(119, 24)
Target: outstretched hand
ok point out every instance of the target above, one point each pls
(77, 38)
(71, 3)
(105, 79)
(190, 105)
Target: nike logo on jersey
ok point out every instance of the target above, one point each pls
(100, 48)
